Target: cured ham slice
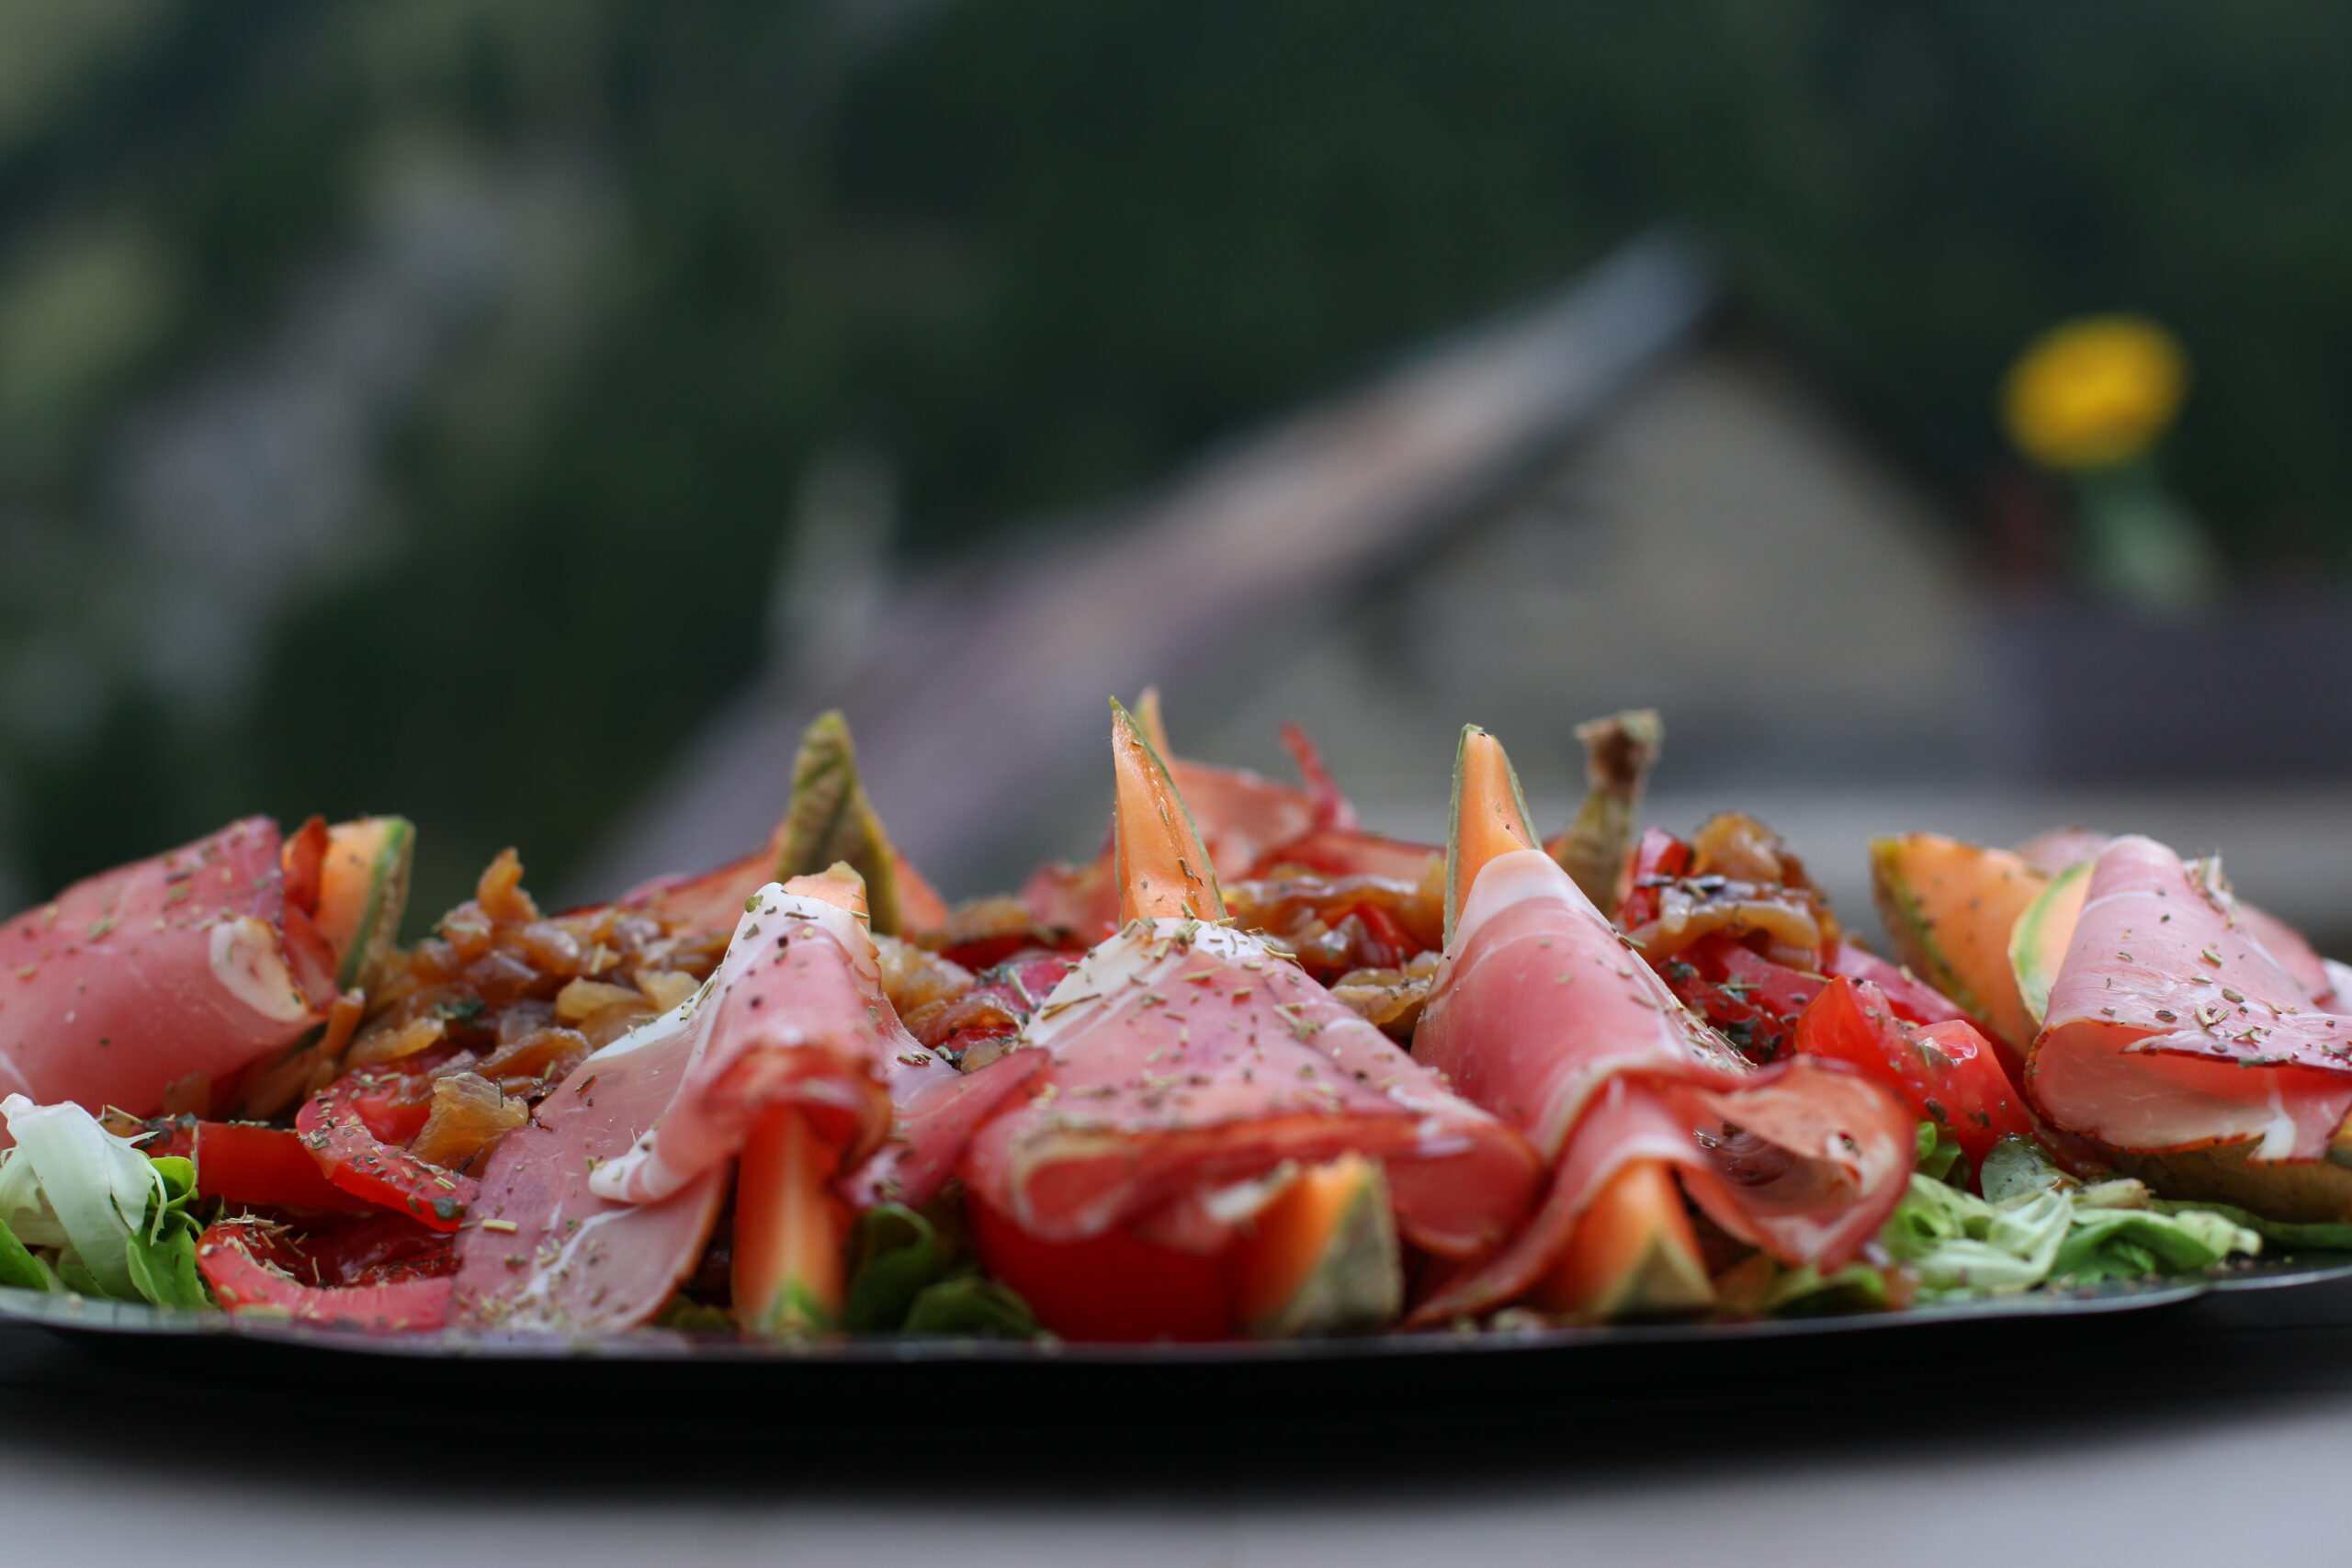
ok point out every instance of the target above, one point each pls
(2172, 1026)
(194, 963)
(540, 1252)
(796, 1014)
(1186, 1059)
(590, 1216)
(1191, 1071)
(2067, 847)
(1542, 1015)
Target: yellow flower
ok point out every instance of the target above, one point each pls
(2094, 391)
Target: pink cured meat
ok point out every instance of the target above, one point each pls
(1188, 1060)
(1542, 1015)
(2171, 1026)
(2055, 851)
(142, 975)
(612, 1188)
(936, 1119)
(1344, 853)
(540, 1252)
(795, 1016)
(710, 901)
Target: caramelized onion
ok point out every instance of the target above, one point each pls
(469, 1115)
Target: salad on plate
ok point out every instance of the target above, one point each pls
(1253, 1072)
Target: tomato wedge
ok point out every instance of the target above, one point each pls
(376, 1248)
(245, 1163)
(1911, 997)
(1108, 1287)
(347, 1128)
(1658, 859)
(1947, 1071)
(1754, 1001)
(242, 1267)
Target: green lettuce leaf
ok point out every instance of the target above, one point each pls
(162, 1253)
(2036, 1223)
(2135, 1243)
(1937, 1154)
(911, 1271)
(119, 1222)
(2317, 1237)
(896, 1254)
(95, 1189)
(19, 1267)
(973, 1306)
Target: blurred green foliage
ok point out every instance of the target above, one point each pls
(1035, 251)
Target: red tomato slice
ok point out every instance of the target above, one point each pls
(1658, 859)
(268, 1166)
(344, 1125)
(1112, 1288)
(1753, 1000)
(238, 1268)
(1947, 1071)
(375, 1248)
(1910, 997)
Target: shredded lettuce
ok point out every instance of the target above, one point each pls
(2037, 1225)
(2317, 1237)
(117, 1221)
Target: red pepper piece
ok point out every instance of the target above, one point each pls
(344, 1126)
(1659, 859)
(267, 1166)
(245, 1274)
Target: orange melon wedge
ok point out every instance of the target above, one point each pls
(1488, 818)
(1321, 1257)
(363, 891)
(1632, 1254)
(790, 1230)
(1162, 868)
(1951, 909)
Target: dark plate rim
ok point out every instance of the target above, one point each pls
(81, 1316)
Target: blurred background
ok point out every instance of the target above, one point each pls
(524, 417)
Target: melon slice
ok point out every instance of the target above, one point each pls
(1322, 1256)
(362, 892)
(790, 1230)
(2038, 942)
(1633, 1253)
(1949, 908)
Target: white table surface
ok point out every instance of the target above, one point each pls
(2224, 1438)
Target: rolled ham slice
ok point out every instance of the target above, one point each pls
(1543, 1016)
(2320, 978)
(191, 963)
(1185, 1061)
(795, 1015)
(611, 1190)
(2175, 1025)
(540, 1253)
